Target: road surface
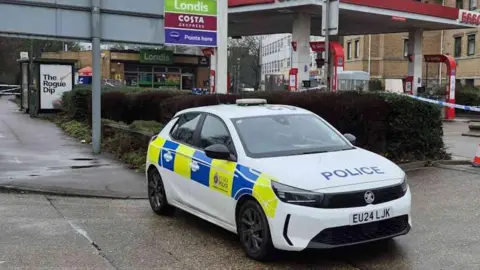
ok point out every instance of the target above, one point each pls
(62, 232)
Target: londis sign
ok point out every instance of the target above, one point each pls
(469, 17)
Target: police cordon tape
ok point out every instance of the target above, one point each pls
(446, 104)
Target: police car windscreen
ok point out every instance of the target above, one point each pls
(283, 135)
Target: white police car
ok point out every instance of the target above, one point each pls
(279, 176)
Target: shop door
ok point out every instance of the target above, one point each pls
(188, 81)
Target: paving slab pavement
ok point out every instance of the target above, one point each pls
(65, 232)
(37, 155)
(458, 145)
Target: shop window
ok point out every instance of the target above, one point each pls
(458, 47)
(459, 4)
(145, 79)
(349, 50)
(129, 67)
(173, 70)
(471, 44)
(145, 68)
(469, 82)
(131, 79)
(160, 69)
(357, 48)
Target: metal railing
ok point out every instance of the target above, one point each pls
(10, 90)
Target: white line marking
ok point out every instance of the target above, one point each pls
(17, 160)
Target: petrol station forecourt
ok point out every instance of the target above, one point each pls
(303, 18)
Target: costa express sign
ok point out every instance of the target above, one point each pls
(469, 17)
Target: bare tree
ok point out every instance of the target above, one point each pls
(10, 49)
(244, 59)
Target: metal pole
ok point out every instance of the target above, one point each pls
(326, 74)
(96, 89)
(222, 48)
(369, 53)
(32, 92)
(441, 52)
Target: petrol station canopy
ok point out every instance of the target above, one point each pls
(356, 17)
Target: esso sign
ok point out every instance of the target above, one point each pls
(190, 19)
(468, 17)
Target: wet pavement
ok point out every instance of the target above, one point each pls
(36, 155)
(61, 232)
(459, 146)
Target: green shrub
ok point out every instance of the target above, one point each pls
(375, 85)
(77, 130)
(77, 104)
(469, 96)
(125, 104)
(392, 125)
(146, 126)
(414, 130)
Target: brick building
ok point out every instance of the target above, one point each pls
(385, 55)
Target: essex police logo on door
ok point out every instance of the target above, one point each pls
(369, 197)
(215, 179)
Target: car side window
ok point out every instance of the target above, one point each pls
(214, 131)
(184, 129)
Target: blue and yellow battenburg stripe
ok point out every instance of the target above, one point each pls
(229, 178)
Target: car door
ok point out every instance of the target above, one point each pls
(212, 178)
(176, 156)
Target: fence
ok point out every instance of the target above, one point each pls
(9, 90)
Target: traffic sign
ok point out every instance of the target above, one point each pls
(330, 10)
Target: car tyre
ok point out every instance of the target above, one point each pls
(254, 232)
(157, 196)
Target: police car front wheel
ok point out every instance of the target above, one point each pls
(254, 232)
(156, 194)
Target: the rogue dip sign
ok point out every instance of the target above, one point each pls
(54, 80)
(191, 22)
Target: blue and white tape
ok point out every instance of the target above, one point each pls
(200, 91)
(446, 104)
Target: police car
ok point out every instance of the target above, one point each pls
(279, 176)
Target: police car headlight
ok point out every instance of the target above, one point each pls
(405, 184)
(297, 196)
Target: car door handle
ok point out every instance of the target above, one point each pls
(168, 156)
(194, 166)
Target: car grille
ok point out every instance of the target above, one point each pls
(363, 232)
(356, 198)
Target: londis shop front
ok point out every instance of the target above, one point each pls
(159, 69)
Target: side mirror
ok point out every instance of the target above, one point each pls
(219, 151)
(352, 139)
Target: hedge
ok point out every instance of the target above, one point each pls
(398, 127)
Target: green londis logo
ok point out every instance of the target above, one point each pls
(202, 7)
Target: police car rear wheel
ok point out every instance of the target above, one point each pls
(156, 194)
(254, 233)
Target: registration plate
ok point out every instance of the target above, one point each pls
(370, 216)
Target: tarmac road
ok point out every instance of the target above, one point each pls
(39, 231)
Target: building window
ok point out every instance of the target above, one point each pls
(405, 47)
(470, 82)
(349, 50)
(471, 44)
(473, 4)
(458, 47)
(459, 4)
(357, 48)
